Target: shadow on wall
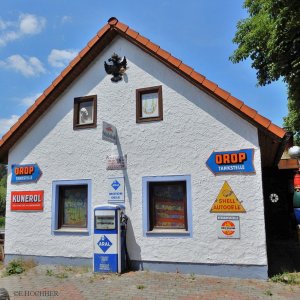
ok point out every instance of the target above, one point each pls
(125, 174)
(134, 250)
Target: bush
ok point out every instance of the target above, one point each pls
(2, 222)
(15, 267)
(18, 266)
(288, 278)
(2, 200)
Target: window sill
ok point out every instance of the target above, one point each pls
(168, 232)
(71, 231)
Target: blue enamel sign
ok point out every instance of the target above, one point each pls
(25, 173)
(104, 243)
(239, 161)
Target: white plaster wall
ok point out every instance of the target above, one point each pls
(194, 125)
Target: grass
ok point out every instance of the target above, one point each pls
(19, 266)
(65, 271)
(268, 293)
(140, 287)
(49, 272)
(287, 278)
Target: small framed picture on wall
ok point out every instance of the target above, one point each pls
(149, 106)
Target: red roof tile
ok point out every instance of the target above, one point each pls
(197, 76)
(84, 51)
(153, 47)
(222, 93)
(57, 80)
(122, 27)
(66, 71)
(93, 41)
(75, 60)
(174, 61)
(164, 56)
(185, 68)
(132, 33)
(48, 90)
(141, 39)
(40, 99)
(262, 120)
(276, 130)
(103, 30)
(209, 84)
(235, 102)
(248, 111)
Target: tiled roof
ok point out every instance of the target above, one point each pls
(94, 47)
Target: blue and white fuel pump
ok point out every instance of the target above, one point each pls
(109, 239)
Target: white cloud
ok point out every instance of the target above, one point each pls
(31, 24)
(31, 66)
(60, 58)
(5, 124)
(66, 19)
(26, 25)
(4, 24)
(28, 101)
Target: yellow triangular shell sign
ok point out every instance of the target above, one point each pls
(227, 202)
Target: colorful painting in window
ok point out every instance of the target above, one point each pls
(74, 209)
(169, 205)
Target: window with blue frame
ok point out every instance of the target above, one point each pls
(71, 206)
(167, 205)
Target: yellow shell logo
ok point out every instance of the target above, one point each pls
(227, 193)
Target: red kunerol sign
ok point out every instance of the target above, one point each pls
(27, 200)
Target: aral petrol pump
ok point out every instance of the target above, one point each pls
(109, 239)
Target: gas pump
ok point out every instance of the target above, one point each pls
(109, 239)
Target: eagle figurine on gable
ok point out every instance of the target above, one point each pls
(118, 67)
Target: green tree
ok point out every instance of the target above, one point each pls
(2, 200)
(270, 37)
(3, 180)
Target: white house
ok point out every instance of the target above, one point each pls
(192, 158)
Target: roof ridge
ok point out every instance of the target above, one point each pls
(167, 58)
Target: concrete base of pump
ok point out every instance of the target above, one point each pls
(222, 270)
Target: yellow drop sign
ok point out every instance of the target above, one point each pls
(227, 202)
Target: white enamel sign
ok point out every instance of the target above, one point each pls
(228, 227)
(116, 190)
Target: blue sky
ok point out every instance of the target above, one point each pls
(39, 37)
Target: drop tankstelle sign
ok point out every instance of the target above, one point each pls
(238, 161)
(27, 200)
(25, 173)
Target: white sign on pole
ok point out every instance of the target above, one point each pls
(109, 133)
(116, 189)
(228, 227)
(116, 162)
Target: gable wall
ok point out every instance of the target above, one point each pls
(194, 125)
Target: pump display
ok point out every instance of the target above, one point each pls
(109, 239)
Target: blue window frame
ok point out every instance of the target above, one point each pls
(171, 216)
(71, 207)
